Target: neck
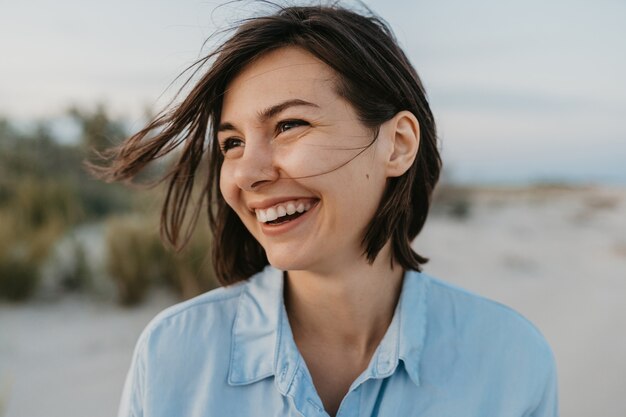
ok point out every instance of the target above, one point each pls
(348, 308)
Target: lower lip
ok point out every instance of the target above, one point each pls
(278, 229)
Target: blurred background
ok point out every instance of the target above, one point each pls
(529, 97)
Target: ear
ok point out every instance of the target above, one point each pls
(404, 134)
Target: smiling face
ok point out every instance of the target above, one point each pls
(298, 169)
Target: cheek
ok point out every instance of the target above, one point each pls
(228, 188)
(318, 155)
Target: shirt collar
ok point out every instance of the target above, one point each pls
(255, 331)
(413, 321)
(404, 339)
(262, 342)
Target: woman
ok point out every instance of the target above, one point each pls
(322, 159)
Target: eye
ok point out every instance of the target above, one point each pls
(289, 124)
(230, 143)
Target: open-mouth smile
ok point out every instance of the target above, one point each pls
(285, 211)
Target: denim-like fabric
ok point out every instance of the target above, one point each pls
(446, 353)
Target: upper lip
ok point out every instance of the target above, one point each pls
(270, 202)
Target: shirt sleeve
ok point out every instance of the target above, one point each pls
(131, 404)
(549, 404)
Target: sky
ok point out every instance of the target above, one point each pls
(522, 91)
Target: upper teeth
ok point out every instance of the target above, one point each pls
(282, 209)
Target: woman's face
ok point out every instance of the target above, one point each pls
(297, 167)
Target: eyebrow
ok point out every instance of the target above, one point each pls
(271, 111)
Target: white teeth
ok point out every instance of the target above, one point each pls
(284, 209)
(271, 214)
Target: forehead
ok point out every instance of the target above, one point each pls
(283, 74)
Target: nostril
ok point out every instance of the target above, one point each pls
(252, 175)
(264, 176)
(258, 183)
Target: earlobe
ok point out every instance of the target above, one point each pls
(405, 138)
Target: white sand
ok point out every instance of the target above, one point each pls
(68, 358)
(556, 256)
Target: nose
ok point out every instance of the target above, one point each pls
(256, 167)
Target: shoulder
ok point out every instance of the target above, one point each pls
(215, 300)
(482, 325)
(485, 344)
(210, 313)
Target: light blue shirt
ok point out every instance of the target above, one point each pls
(446, 353)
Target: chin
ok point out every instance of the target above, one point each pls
(288, 262)
(284, 264)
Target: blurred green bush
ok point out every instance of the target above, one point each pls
(30, 222)
(44, 192)
(138, 260)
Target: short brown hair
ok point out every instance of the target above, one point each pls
(374, 76)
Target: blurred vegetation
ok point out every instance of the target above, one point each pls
(453, 201)
(137, 260)
(45, 193)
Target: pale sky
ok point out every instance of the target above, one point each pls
(522, 90)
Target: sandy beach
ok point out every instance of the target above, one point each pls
(555, 254)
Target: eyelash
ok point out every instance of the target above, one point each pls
(231, 143)
(296, 122)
